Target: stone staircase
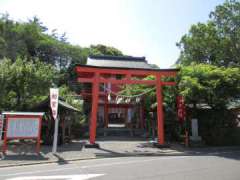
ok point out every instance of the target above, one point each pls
(119, 131)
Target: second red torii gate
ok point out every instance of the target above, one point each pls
(96, 76)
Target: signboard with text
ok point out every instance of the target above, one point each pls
(54, 101)
(22, 125)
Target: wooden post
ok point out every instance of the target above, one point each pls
(39, 135)
(93, 124)
(160, 123)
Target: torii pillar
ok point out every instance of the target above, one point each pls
(160, 121)
(93, 120)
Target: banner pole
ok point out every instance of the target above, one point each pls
(55, 138)
(54, 95)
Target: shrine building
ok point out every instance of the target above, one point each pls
(103, 79)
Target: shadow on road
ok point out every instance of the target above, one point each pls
(61, 160)
(174, 150)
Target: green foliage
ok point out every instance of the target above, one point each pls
(24, 83)
(70, 97)
(31, 59)
(216, 42)
(210, 73)
(217, 127)
(104, 50)
(215, 86)
(169, 97)
(30, 40)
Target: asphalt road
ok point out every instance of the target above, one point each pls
(216, 166)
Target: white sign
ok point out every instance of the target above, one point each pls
(54, 101)
(22, 127)
(54, 106)
(1, 126)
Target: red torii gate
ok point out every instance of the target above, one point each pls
(97, 76)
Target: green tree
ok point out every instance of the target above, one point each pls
(104, 50)
(216, 42)
(30, 40)
(208, 91)
(24, 83)
(212, 85)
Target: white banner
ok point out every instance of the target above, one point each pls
(54, 93)
(1, 126)
(22, 127)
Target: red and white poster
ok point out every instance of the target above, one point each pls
(54, 93)
(181, 109)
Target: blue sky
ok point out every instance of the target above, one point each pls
(148, 28)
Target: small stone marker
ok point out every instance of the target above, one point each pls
(195, 136)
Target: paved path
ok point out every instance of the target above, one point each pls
(23, 155)
(222, 166)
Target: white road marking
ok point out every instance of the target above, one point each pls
(64, 177)
(38, 171)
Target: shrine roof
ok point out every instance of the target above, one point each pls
(119, 62)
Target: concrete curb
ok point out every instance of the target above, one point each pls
(44, 162)
(91, 158)
(186, 152)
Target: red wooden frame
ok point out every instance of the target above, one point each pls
(38, 138)
(98, 75)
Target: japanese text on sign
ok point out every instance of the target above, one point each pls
(54, 101)
(181, 109)
(22, 127)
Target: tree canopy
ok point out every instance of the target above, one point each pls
(104, 50)
(32, 40)
(216, 42)
(24, 83)
(212, 85)
(33, 59)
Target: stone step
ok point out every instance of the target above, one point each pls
(116, 131)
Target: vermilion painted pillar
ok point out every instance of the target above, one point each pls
(160, 122)
(93, 123)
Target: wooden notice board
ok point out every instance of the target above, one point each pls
(22, 125)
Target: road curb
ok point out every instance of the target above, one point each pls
(90, 158)
(189, 152)
(45, 162)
